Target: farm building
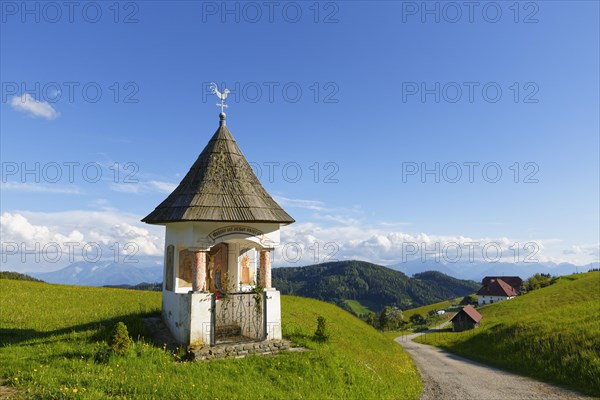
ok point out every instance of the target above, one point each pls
(514, 281)
(467, 318)
(498, 288)
(221, 229)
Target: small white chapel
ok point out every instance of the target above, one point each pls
(221, 229)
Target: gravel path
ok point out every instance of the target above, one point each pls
(447, 376)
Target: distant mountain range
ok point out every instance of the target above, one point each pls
(149, 270)
(103, 273)
(477, 270)
(373, 286)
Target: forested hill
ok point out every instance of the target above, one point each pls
(373, 286)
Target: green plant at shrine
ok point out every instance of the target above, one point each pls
(120, 342)
(258, 295)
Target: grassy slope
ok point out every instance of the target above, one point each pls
(551, 334)
(423, 310)
(436, 306)
(49, 334)
(357, 307)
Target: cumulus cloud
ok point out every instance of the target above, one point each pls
(344, 238)
(26, 103)
(309, 243)
(35, 237)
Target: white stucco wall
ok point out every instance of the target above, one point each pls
(273, 322)
(188, 316)
(200, 318)
(176, 315)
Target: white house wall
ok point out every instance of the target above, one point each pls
(489, 299)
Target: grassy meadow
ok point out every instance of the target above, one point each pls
(50, 334)
(423, 310)
(552, 334)
(357, 307)
(432, 307)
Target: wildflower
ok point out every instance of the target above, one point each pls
(74, 390)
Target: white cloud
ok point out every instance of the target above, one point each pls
(71, 232)
(26, 103)
(301, 243)
(163, 187)
(351, 239)
(39, 187)
(143, 187)
(299, 203)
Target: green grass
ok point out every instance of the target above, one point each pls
(394, 334)
(50, 333)
(552, 334)
(423, 310)
(435, 306)
(358, 308)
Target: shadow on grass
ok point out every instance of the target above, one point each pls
(102, 330)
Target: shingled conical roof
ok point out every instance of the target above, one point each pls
(220, 186)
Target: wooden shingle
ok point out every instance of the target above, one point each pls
(220, 186)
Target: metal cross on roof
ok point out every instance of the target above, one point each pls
(221, 96)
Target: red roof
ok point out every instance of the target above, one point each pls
(471, 312)
(513, 281)
(497, 287)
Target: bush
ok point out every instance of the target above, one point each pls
(417, 319)
(120, 340)
(470, 299)
(391, 318)
(102, 353)
(322, 332)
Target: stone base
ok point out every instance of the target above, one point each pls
(239, 350)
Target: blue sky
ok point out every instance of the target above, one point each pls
(366, 93)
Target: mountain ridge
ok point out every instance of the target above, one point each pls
(372, 285)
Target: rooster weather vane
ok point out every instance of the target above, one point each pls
(222, 96)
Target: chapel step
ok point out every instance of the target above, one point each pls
(228, 331)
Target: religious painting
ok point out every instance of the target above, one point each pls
(169, 262)
(217, 267)
(245, 269)
(184, 270)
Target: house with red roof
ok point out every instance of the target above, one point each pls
(467, 318)
(497, 288)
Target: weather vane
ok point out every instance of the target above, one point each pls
(221, 96)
